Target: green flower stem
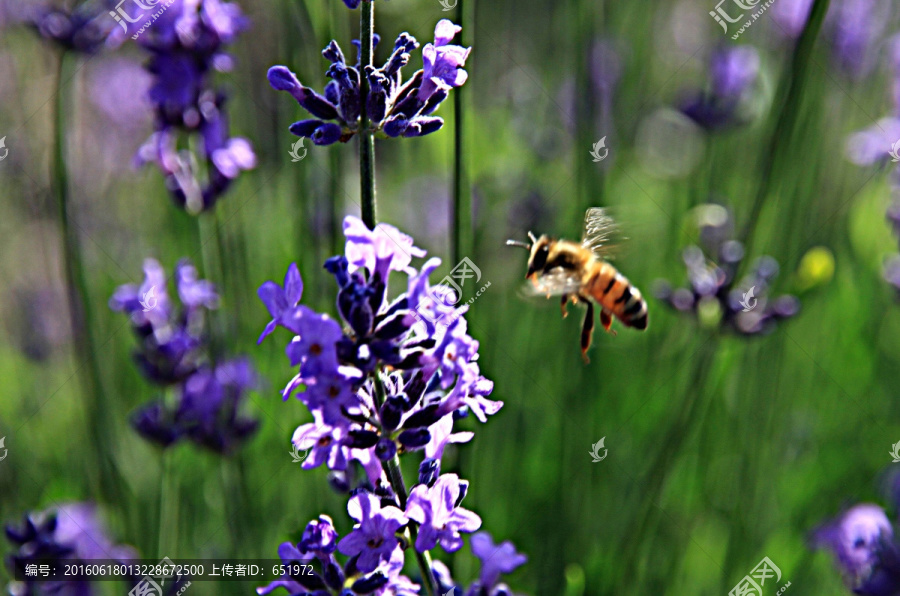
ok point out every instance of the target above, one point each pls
(96, 403)
(395, 477)
(460, 240)
(366, 138)
(783, 131)
(167, 542)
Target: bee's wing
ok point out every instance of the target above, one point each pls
(599, 231)
(554, 283)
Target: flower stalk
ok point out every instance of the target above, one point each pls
(78, 296)
(366, 136)
(783, 131)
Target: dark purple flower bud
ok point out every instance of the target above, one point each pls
(414, 439)
(419, 127)
(376, 100)
(155, 423)
(333, 53)
(433, 102)
(305, 128)
(393, 327)
(339, 481)
(356, 310)
(333, 92)
(392, 412)
(375, 39)
(410, 87)
(334, 575)
(327, 134)
(319, 536)
(352, 4)
(429, 470)
(424, 417)
(408, 106)
(282, 79)
(386, 449)
(361, 439)
(370, 583)
(395, 125)
(337, 266)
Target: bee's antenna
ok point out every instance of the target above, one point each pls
(531, 236)
(518, 243)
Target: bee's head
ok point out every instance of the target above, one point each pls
(539, 249)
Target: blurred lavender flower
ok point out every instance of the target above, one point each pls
(391, 380)
(733, 72)
(85, 30)
(714, 296)
(854, 27)
(186, 43)
(172, 351)
(862, 542)
(394, 107)
(495, 560)
(171, 340)
(71, 532)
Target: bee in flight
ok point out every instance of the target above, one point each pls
(578, 271)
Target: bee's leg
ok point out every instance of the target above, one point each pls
(606, 320)
(562, 305)
(587, 330)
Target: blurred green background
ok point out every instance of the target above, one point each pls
(722, 449)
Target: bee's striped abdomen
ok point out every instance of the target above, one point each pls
(616, 294)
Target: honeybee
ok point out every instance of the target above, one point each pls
(578, 271)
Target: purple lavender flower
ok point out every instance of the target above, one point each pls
(85, 30)
(861, 540)
(443, 62)
(715, 297)
(280, 299)
(495, 560)
(374, 536)
(441, 518)
(69, 533)
(170, 340)
(394, 108)
(211, 400)
(172, 352)
(186, 43)
(733, 71)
